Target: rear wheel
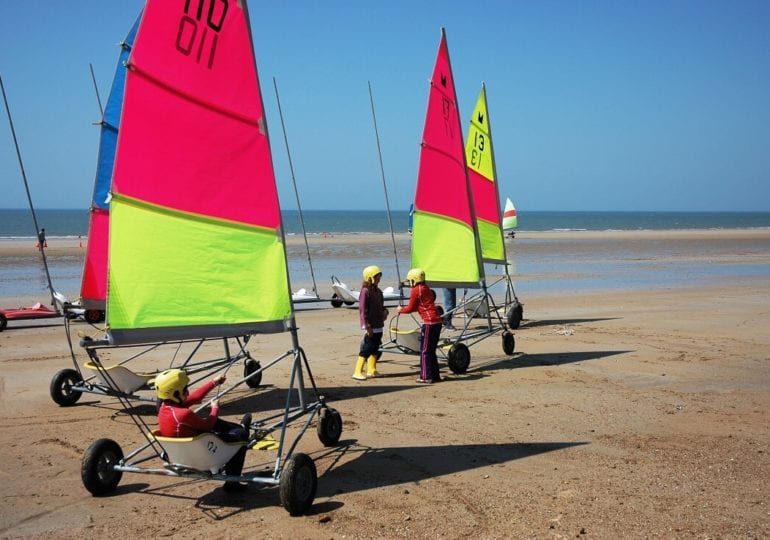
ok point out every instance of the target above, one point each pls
(249, 367)
(98, 468)
(62, 391)
(93, 316)
(336, 301)
(515, 315)
(298, 484)
(3, 322)
(509, 343)
(459, 358)
(329, 426)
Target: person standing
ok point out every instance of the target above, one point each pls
(372, 315)
(41, 241)
(450, 303)
(423, 300)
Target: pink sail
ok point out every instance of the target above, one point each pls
(177, 115)
(442, 182)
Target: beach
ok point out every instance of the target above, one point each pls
(635, 405)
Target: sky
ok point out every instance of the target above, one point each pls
(594, 105)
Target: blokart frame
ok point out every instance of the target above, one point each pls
(294, 473)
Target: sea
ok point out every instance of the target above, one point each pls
(18, 223)
(538, 265)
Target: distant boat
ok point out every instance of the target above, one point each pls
(510, 219)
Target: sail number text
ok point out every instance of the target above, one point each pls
(199, 28)
(479, 142)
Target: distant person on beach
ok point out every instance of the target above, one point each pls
(423, 300)
(372, 315)
(450, 302)
(176, 419)
(41, 241)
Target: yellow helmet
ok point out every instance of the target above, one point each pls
(415, 276)
(170, 384)
(370, 272)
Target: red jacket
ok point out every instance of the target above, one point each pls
(178, 420)
(423, 300)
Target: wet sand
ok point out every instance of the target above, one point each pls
(628, 413)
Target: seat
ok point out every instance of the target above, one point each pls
(121, 377)
(408, 340)
(204, 452)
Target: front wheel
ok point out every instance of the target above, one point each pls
(62, 388)
(459, 358)
(515, 315)
(329, 427)
(298, 484)
(249, 367)
(509, 343)
(336, 301)
(3, 322)
(98, 468)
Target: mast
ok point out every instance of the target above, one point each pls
(294, 184)
(384, 185)
(29, 196)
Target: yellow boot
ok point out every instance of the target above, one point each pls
(359, 372)
(371, 367)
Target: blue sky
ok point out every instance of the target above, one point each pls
(594, 105)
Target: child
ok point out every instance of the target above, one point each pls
(176, 419)
(423, 300)
(372, 315)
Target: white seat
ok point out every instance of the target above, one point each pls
(476, 308)
(407, 339)
(126, 380)
(204, 452)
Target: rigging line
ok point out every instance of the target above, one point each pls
(96, 90)
(385, 188)
(29, 197)
(294, 183)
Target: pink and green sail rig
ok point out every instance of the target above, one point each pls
(482, 174)
(196, 247)
(444, 236)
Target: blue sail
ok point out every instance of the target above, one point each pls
(108, 137)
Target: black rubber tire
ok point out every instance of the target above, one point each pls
(249, 367)
(515, 315)
(348, 303)
(459, 358)
(61, 387)
(440, 311)
(336, 301)
(97, 472)
(329, 427)
(3, 322)
(509, 343)
(298, 483)
(94, 316)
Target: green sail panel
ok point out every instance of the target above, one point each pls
(435, 243)
(199, 281)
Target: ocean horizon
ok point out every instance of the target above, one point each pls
(70, 223)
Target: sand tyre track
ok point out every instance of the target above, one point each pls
(459, 358)
(298, 484)
(61, 389)
(98, 467)
(329, 426)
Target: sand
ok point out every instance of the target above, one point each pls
(629, 413)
